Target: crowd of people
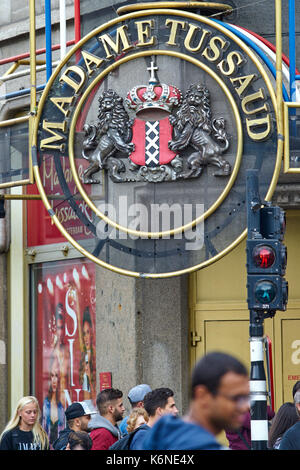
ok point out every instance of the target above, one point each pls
(220, 401)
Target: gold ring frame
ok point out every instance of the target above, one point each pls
(277, 167)
(231, 179)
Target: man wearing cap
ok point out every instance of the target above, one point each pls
(136, 399)
(78, 415)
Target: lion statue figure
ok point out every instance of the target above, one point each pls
(193, 126)
(111, 134)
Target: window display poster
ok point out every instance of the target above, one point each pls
(65, 356)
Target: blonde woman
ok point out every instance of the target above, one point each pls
(24, 431)
(137, 417)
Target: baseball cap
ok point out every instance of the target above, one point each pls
(77, 409)
(138, 392)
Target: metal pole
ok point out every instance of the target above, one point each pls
(292, 50)
(32, 83)
(63, 33)
(292, 54)
(258, 386)
(77, 26)
(48, 38)
(19, 57)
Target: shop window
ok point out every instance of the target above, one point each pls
(14, 157)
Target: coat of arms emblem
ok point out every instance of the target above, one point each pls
(155, 134)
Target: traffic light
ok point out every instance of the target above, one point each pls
(267, 260)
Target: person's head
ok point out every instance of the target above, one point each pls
(285, 418)
(79, 440)
(295, 389)
(219, 392)
(78, 416)
(110, 404)
(297, 401)
(137, 417)
(137, 394)
(27, 417)
(159, 402)
(27, 412)
(87, 328)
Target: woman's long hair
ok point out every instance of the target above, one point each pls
(39, 435)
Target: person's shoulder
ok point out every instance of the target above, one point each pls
(139, 435)
(290, 438)
(6, 435)
(11, 432)
(171, 433)
(102, 433)
(102, 439)
(62, 439)
(140, 431)
(295, 429)
(6, 442)
(100, 430)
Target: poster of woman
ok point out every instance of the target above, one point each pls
(65, 359)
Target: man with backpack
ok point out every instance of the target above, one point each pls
(157, 403)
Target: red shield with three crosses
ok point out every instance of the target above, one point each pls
(151, 142)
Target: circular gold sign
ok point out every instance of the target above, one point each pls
(151, 122)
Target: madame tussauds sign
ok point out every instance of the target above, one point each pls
(175, 107)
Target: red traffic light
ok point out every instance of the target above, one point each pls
(263, 256)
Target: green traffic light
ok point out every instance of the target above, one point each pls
(265, 292)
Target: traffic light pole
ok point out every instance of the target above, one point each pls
(258, 386)
(267, 292)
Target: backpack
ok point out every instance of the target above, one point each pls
(62, 440)
(124, 442)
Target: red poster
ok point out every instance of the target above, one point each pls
(65, 340)
(105, 380)
(40, 227)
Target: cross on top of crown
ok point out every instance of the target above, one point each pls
(152, 69)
